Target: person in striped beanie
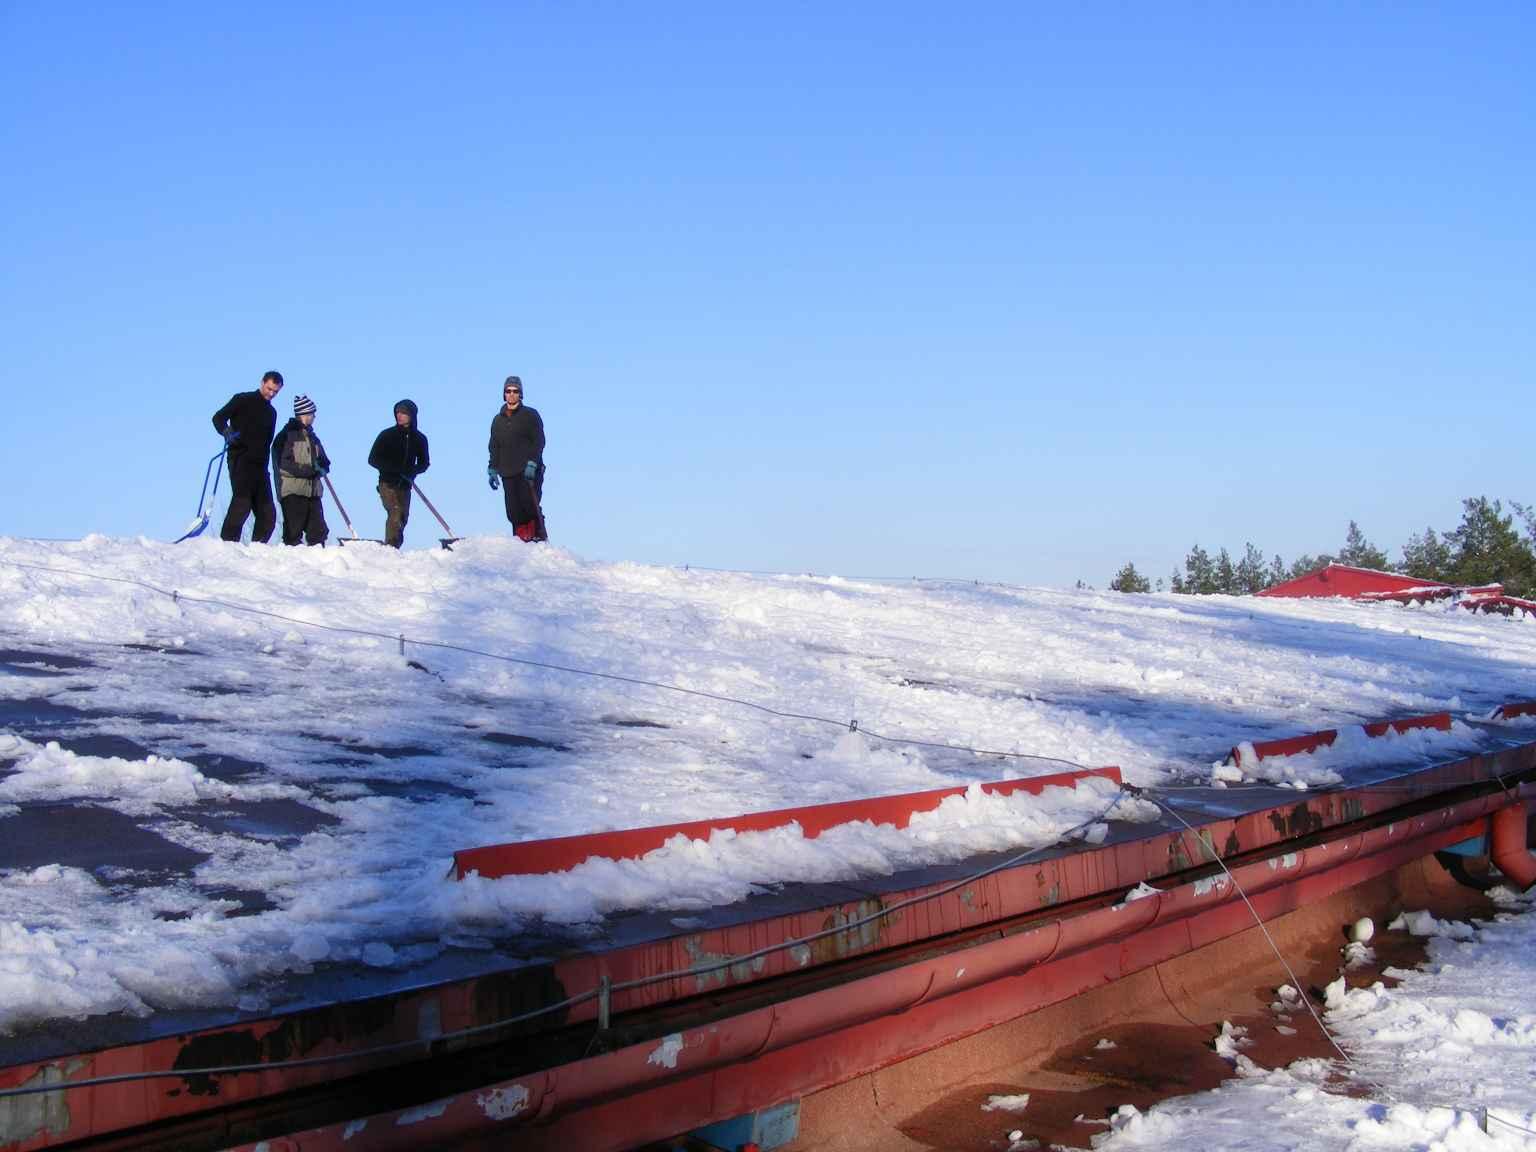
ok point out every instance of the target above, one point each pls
(300, 464)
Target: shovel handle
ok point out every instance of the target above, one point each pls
(417, 489)
(340, 507)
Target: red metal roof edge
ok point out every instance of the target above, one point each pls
(1312, 741)
(562, 853)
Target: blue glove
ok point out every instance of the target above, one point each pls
(230, 437)
(495, 480)
(530, 470)
(322, 472)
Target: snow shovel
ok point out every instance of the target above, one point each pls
(446, 541)
(342, 508)
(204, 509)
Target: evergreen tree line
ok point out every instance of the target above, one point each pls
(1487, 547)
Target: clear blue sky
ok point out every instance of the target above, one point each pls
(1014, 291)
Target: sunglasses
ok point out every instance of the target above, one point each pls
(512, 392)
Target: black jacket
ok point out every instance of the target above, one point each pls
(400, 453)
(516, 438)
(252, 415)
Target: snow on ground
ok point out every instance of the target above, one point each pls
(299, 789)
(1446, 1059)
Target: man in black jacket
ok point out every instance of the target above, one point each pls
(400, 455)
(517, 461)
(247, 423)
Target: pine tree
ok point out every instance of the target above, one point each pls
(1426, 557)
(1277, 573)
(1486, 549)
(1359, 552)
(1199, 572)
(1130, 580)
(1250, 572)
(1305, 565)
(1225, 575)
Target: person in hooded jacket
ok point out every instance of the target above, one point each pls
(247, 423)
(300, 464)
(517, 461)
(400, 455)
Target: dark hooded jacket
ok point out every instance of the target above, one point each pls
(400, 453)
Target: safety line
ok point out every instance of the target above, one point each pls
(400, 638)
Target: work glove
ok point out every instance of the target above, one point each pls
(493, 479)
(530, 470)
(322, 472)
(230, 437)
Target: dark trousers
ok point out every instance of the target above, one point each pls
(521, 497)
(304, 518)
(250, 488)
(397, 510)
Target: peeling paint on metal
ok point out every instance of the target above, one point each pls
(353, 1128)
(1210, 884)
(968, 897)
(666, 1052)
(959, 972)
(1290, 860)
(426, 1112)
(719, 965)
(800, 954)
(25, 1117)
(429, 1020)
(503, 1104)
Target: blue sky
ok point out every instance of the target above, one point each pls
(1016, 292)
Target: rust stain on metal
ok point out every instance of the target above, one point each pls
(1177, 859)
(1207, 844)
(1299, 821)
(856, 939)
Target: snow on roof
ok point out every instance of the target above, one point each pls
(272, 785)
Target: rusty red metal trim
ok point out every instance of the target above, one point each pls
(653, 1090)
(563, 853)
(1312, 741)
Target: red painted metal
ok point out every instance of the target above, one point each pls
(1368, 584)
(753, 1060)
(1053, 909)
(1509, 850)
(1343, 580)
(1312, 741)
(560, 854)
(1510, 711)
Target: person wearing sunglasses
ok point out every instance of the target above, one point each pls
(517, 461)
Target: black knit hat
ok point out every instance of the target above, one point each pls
(303, 406)
(513, 382)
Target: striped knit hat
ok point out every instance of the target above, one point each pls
(303, 406)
